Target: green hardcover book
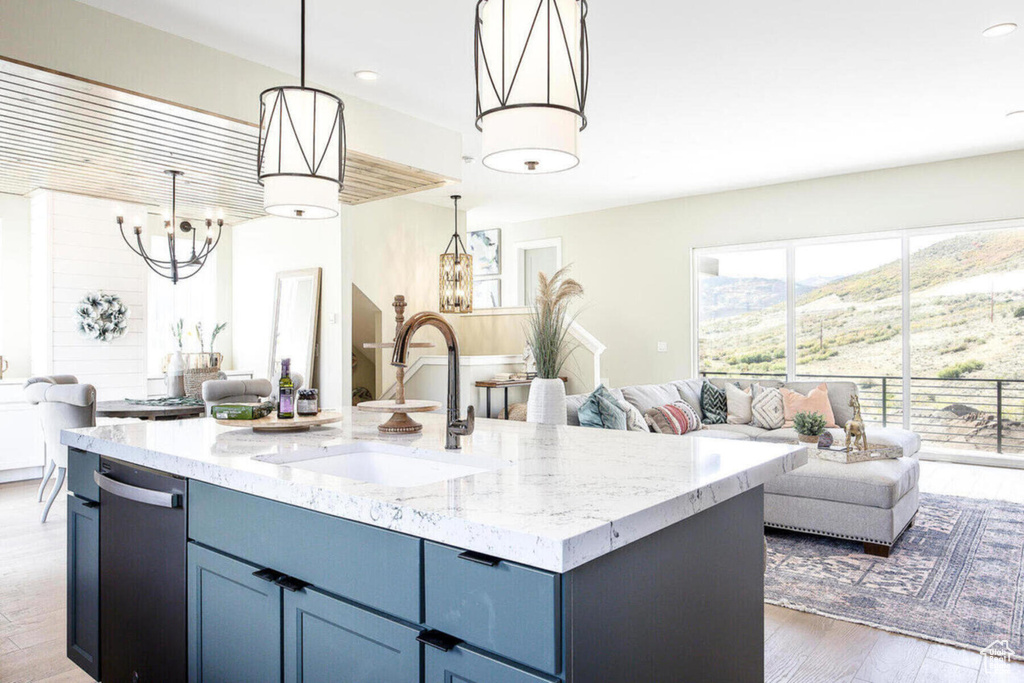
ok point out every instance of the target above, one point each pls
(241, 411)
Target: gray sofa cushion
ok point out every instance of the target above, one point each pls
(749, 431)
(910, 441)
(647, 396)
(879, 483)
(689, 390)
(717, 433)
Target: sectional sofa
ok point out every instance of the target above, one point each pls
(872, 502)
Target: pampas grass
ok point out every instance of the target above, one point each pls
(548, 327)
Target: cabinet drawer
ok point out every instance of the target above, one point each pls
(466, 666)
(509, 609)
(331, 640)
(375, 567)
(81, 465)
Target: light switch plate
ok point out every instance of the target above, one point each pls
(662, 347)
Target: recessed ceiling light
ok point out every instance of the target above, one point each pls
(999, 30)
(365, 75)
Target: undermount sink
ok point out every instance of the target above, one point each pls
(386, 464)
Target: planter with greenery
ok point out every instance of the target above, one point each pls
(547, 334)
(809, 426)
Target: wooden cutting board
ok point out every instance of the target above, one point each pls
(299, 423)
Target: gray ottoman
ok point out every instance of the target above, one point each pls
(871, 502)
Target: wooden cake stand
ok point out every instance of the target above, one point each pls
(399, 422)
(299, 423)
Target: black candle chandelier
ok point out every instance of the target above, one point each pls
(174, 269)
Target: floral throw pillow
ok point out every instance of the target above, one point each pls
(713, 404)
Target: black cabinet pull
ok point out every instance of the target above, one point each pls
(479, 558)
(290, 583)
(438, 639)
(90, 504)
(268, 575)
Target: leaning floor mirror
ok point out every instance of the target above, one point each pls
(296, 315)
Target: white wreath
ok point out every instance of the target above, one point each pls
(103, 317)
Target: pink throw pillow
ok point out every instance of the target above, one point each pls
(815, 402)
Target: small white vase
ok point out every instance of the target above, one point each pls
(175, 378)
(546, 404)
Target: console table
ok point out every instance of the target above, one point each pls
(489, 384)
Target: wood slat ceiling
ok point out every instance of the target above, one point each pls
(62, 133)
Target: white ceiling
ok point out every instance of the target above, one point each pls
(685, 97)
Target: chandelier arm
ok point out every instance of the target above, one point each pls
(568, 52)
(174, 256)
(137, 252)
(149, 259)
(526, 46)
(195, 268)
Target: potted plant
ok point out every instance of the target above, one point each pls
(809, 426)
(547, 334)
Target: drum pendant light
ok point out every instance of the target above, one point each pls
(301, 154)
(532, 69)
(456, 274)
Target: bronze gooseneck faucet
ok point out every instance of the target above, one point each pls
(455, 427)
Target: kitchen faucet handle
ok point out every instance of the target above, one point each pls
(465, 427)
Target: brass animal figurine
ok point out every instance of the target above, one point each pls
(856, 435)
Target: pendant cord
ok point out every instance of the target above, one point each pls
(302, 66)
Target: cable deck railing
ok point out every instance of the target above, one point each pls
(979, 414)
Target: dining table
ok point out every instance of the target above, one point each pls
(149, 411)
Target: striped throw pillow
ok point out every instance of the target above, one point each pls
(675, 418)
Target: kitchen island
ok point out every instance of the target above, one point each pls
(535, 553)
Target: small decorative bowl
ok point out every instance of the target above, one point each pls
(825, 440)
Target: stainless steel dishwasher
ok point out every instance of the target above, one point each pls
(143, 537)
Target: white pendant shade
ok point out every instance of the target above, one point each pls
(300, 197)
(531, 83)
(302, 152)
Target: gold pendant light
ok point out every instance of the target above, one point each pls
(456, 277)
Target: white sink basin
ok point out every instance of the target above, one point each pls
(381, 463)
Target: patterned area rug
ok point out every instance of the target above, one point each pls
(956, 577)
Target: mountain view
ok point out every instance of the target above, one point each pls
(966, 313)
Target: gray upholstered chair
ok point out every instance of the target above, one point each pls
(63, 404)
(218, 391)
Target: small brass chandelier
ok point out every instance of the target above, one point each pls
(456, 273)
(172, 268)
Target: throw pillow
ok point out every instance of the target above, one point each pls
(602, 410)
(675, 418)
(768, 408)
(814, 402)
(635, 421)
(713, 404)
(737, 405)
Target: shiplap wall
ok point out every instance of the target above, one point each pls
(77, 249)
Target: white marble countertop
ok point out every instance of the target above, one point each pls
(567, 496)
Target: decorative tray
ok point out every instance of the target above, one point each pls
(839, 454)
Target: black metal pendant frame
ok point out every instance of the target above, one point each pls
(581, 80)
(280, 109)
(172, 267)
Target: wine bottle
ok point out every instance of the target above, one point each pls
(286, 392)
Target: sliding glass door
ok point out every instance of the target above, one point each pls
(928, 323)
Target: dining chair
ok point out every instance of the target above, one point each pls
(63, 404)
